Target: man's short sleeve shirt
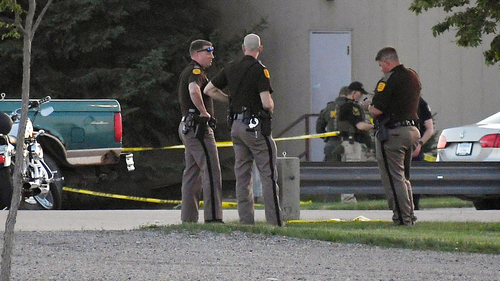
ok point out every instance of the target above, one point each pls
(352, 112)
(193, 72)
(397, 94)
(246, 79)
(424, 114)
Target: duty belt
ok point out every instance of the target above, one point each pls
(404, 123)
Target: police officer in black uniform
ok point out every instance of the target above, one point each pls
(395, 108)
(251, 107)
(202, 173)
(426, 128)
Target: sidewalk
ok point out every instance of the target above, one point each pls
(132, 219)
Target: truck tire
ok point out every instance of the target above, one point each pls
(6, 187)
(487, 204)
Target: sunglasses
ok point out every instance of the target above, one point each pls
(209, 50)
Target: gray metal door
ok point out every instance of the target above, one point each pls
(330, 59)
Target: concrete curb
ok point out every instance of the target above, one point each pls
(133, 219)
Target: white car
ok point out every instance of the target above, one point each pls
(473, 143)
(477, 142)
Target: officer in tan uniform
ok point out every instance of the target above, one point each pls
(202, 173)
(251, 107)
(395, 108)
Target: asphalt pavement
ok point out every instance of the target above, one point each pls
(65, 220)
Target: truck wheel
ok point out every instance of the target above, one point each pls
(487, 204)
(6, 187)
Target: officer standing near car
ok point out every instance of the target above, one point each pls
(395, 108)
(202, 174)
(251, 107)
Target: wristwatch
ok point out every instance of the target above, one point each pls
(421, 142)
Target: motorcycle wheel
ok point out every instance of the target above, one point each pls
(6, 187)
(53, 200)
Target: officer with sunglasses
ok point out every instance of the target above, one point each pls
(202, 173)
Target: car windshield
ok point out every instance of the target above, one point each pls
(493, 119)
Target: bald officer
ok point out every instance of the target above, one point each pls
(395, 108)
(251, 106)
(202, 173)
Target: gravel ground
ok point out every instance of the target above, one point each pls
(156, 255)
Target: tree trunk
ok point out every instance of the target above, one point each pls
(28, 34)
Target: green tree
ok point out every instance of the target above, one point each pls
(130, 50)
(470, 21)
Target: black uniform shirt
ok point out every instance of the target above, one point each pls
(397, 94)
(352, 112)
(246, 79)
(193, 72)
(424, 114)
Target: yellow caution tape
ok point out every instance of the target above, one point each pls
(149, 200)
(118, 196)
(429, 158)
(230, 143)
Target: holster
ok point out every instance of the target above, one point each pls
(212, 123)
(265, 122)
(188, 123)
(247, 116)
(201, 127)
(382, 133)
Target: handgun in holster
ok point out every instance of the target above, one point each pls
(201, 127)
(188, 121)
(265, 122)
(247, 115)
(212, 123)
(382, 133)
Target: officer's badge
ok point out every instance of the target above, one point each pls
(355, 111)
(380, 86)
(266, 73)
(333, 113)
(197, 71)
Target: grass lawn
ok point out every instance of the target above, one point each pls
(473, 237)
(381, 204)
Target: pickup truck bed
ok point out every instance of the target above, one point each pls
(89, 130)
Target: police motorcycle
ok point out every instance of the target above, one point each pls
(39, 188)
